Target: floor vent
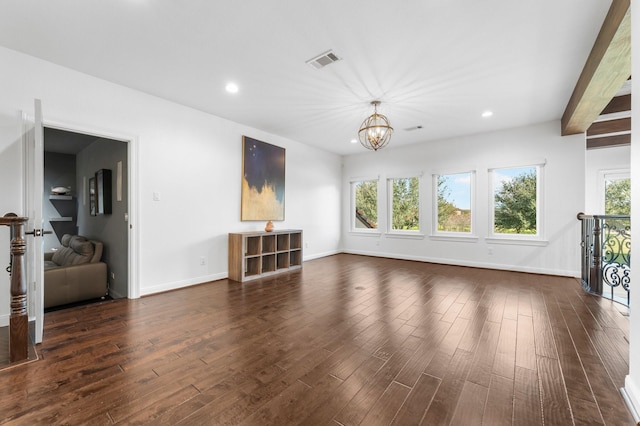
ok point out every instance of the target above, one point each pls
(323, 60)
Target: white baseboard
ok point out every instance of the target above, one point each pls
(458, 262)
(631, 395)
(4, 320)
(319, 255)
(145, 291)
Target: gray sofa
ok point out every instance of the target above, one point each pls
(74, 272)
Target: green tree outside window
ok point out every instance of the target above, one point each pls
(405, 207)
(617, 197)
(366, 200)
(516, 203)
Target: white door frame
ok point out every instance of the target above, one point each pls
(33, 162)
(133, 291)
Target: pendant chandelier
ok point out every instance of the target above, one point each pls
(375, 131)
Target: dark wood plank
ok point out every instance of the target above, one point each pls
(450, 342)
(500, 400)
(419, 361)
(418, 401)
(505, 360)
(525, 345)
(445, 400)
(613, 361)
(527, 407)
(387, 405)
(578, 390)
(471, 405)
(555, 407)
(483, 360)
(606, 393)
(511, 306)
(474, 329)
(366, 398)
(524, 304)
(360, 378)
(158, 408)
(544, 343)
(452, 312)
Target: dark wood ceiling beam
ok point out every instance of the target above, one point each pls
(608, 141)
(618, 104)
(610, 126)
(607, 68)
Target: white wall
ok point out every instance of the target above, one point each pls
(11, 182)
(563, 198)
(598, 161)
(191, 158)
(632, 382)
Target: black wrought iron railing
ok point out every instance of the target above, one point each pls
(606, 256)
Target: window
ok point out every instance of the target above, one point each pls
(617, 193)
(365, 202)
(405, 204)
(454, 199)
(516, 201)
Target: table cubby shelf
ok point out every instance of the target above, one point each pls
(255, 255)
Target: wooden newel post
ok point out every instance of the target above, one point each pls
(19, 319)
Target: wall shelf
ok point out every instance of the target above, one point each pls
(61, 197)
(259, 254)
(61, 219)
(67, 212)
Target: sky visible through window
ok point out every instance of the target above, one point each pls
(506, 175)
(459, 186)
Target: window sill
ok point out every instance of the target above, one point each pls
(408, 235)
(372, 233)
(517, 241)
(452, 237)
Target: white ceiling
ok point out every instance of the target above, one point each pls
(434, 63)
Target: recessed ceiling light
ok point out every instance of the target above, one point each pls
(487, 114)
(354, 141)
(231, 88)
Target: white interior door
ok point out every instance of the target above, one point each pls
(33, 137)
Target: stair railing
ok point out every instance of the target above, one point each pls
(606, 256)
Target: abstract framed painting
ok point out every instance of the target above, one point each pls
(263, 171)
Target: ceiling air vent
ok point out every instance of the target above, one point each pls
(323, 60)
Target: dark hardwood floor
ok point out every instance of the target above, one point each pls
(347, 340)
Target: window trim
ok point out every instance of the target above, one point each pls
(352, 195)
(404, 232)
(539, 237)
(452, 235)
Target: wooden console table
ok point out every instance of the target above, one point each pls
(258, 254)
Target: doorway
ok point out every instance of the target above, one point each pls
(71, 162)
